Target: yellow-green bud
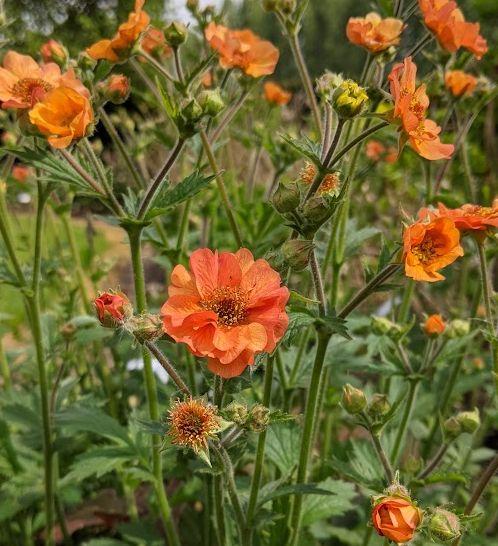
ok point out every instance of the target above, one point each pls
(259, 418)
(443, 525)
(175, 34)
(192, 111)
(383, 326)
(379, 406)
(457, 328)
(315, 211)
(286, 198)
(238, 413)
(349, 99)
(270, 5)
(296, 253)
(469, 420)
(146, 327)
(287, 6)
(353, 400)
(211, 102)
(451, 429)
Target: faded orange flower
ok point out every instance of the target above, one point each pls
(396, 518)
(376, 151)
(410, 107)
(374, 33)
(330, 181)
(276, 94)
(447, 22)
(434, 325)
(192, 423)
(242, 49)
(23, 82)
(53, 52)
(460, 83)
(227, 308)
(429, 245)
(119, 47)
(154, 43)
(63, 116)
(21, 173)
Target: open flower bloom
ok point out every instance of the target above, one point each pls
(410, 107)
(63, 116)
(118, 48)
(242, 49)
(374, 33)
(434, 325)
(23, 82)
(460, 83)
(428, 246)
(396, 518)
(452, 31)
(276, 94)
(466, 218)
(227, 308)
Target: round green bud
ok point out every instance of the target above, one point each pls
(353, 400)
(296, 253)
(457, 328)
(379, 406)
(451, 429)
(238, 413)
(286, 198)
(469, 420)
(175, 34)
(211, 102)
(443, 526)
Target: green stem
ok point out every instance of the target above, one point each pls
(168, 366)
(383, 457)
(6, 232)
(156, 65)
(221, 188)
(150, 385)
(434, 462)
(4, 368)
(404, 307)
(405, 419)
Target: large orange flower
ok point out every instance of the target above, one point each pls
(227, 308)
(429, 245)
(459, 82)
(452, 31)
(242, 49)
(23, 82)
(119, 47)
(466, 218)
(276, 94)
(410, 107)
(396, 518)
(63, 116)
(374, 33)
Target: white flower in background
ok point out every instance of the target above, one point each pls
(159, 371)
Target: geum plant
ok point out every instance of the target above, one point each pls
(259, 333)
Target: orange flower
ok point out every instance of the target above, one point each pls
(23, 82)
(434, 325)
(119, 47)
(376, 151)
(242, 49)
(53, 51)
(115, 88)
(460, 83)
(468, 217)
(21, 173)
(227, 308)
(451, 29)
(154, 43)
(112, 308)
(276, 94)
(410, 107)
(396, 518)
(429, 245)
(207, 79)
(374, 33)
(328, 185)
(63, 116)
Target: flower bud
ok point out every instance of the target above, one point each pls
(287, 6)
(68, 330)
(296, 253)
(113, 308)
(192, 111)
(353, 400)
(175, 34)
(211, 102)
(259, 418)
(398, 508)
(379, 406)
(327, 83)
(237, 413)
(434, 326)
(286, 198)
(54, 52)
(116, 88)
(457, 328)
(412, 464)
(469, 420)
(316, 211)
(146, 327)
(383, 326)
(85, 62)
(443, 526)
(271, 5)
(349, 99)
(192, 5)
(451, 429)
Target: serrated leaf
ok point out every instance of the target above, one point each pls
(281, 442)
(335, 325)
(305, 147)
(338, 502)
(295, 489)
(152, 427)
(297, 321)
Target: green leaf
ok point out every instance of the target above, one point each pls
(169, 196)
(297, 322)
(335, 325)
(337, 502)
(152, 427)
(305, 147)
(295, 489)
(105, 542)
(281, 442)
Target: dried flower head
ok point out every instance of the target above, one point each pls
(192, 422)
(329, 184)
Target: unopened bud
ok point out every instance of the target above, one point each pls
(192, 111)
(316, 211)
(412, 464)
(443, 525)
(434, 326)
(469, 420)
(353, 400)
(451, 429)
(349, 99)
(85, 62)
(175, 34)
(457, 328)
(68, 330)
(116, 88)
(271, 5)
(379, 406)
(259, 418)
(287, 6)
(296, 253)
(113, 308)
(54, 52)
(286, 198)
(237, 413)
(327, 83)
(383, 326)
(146, 327)
(211, 102)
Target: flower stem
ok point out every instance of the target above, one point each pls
(221, 188)
(168, 366)
(135, 235)
(434, 462)
(405, 419)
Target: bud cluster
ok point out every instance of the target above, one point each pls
(465, 421)
(255, 419)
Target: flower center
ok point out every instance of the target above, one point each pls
(425, 251)
(230, 304)
(31, 90)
